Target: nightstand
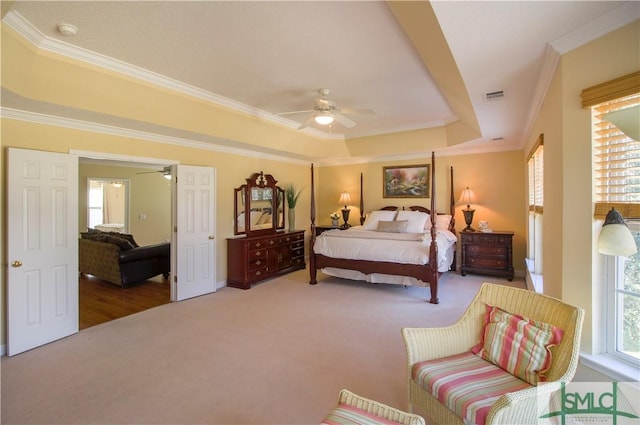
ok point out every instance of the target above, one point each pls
(320, 229)
(487, 253)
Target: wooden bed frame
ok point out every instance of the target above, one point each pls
(427, 273)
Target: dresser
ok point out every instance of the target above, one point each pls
(487, 253)
(251, 259)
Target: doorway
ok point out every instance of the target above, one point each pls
(123, 197)
(42, 283)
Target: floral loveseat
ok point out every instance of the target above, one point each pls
(117, 258)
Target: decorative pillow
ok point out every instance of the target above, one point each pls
(396, 226)
(128, 237)
(417, 220)
(371, 223)
(517, 344)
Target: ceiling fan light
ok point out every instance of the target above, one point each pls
(324, 118)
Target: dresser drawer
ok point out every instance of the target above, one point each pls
(298, 252)
(257, 253)
(257, 274)
(256, 263)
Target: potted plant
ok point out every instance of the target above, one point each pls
(292, 194)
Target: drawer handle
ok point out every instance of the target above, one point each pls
(258, 253)
(257, 244)
(258, 273)
(258, 262)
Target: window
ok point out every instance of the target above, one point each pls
(535, 167)
(616, 162)
(623, 302)
(107, 204)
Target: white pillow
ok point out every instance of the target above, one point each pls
(371, 223)
(442, 222)
(417, 220)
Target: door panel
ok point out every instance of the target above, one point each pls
(42, 278)
(194, 232)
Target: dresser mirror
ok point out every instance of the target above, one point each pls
(258, 206)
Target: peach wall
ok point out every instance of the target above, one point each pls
(497, 179)
(571, 264)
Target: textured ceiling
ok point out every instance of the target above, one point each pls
(272, 57)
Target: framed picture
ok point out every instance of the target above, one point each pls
(407, 181)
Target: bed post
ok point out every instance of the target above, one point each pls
(452, 223)
(433, 249)
(361, 203)
(312, 238)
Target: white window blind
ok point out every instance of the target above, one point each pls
(617, 156)
(535, 168)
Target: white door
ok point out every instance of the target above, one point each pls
(193, 268)
(42, 248)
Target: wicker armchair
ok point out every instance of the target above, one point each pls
(519, 407)
(374, 408)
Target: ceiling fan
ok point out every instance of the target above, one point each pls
(325, 111)
(166, 172)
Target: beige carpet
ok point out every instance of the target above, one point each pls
(276, 354)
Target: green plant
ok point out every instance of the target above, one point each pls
(291, 194)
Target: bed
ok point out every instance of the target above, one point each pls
(390, 245)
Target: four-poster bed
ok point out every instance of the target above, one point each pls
(380, 251)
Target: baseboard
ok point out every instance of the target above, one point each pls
(3, 350)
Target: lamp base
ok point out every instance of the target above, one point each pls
(468, 219)
(345, 217)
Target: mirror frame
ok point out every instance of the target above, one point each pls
(242, 195)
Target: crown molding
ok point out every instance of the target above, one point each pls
(611, 21)
(93, 127)
(604, 24)
(23, 27)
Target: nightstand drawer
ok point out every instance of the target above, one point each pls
(486, 250)
(495, 263)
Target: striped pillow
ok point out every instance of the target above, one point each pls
(517, 344)
(349, 415)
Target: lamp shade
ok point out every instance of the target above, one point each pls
(324, 118)
(627, 120)
(345, 199)
(615, 237)
(467, 197)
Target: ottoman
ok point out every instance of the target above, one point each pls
(355, 410)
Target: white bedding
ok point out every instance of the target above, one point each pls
(407, 248)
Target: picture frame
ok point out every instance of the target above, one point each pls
(406, 181)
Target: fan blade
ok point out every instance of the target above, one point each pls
(295, 112)
(361, 111)
(344, 120)
(306, 123)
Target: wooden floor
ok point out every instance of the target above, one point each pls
(102, 301)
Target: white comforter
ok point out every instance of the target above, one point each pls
(406, 248)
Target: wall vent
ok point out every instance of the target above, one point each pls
(494, 95)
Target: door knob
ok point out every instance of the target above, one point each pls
(16, 263)
(211, 237)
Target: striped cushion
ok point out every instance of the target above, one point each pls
(467, 384)
(517, 344)
(349, 415)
